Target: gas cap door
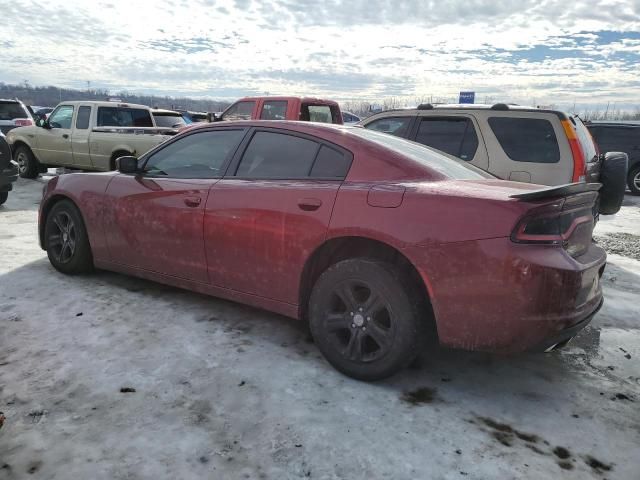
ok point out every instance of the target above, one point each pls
(385, 196)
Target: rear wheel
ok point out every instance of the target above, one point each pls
(364, 320)
(66, 239)
(613, 174)
(3, 197)
(633, 181)
(27, 164)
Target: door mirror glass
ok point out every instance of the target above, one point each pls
(127, 164)
(41, 122)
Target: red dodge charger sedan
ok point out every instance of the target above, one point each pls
(380, 243)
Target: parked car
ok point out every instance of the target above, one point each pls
(8, 170)
(283, 108)
(13, 113)
(523, 144)
(349, 118)
(193, 117)
(378, 242)
(168, 118)
(85, 135)
(41, 113)
(623, 137)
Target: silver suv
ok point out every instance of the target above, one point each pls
(516, 143)
(13, 113)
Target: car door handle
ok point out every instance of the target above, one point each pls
(65, 135)
(309, 204)
(192, 201)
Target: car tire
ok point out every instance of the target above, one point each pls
(66, 239)
(633, 180)
(28, 166)
(3, 197)
(364, 319)
(613, 177)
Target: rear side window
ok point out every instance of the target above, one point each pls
(398, 126)
(276, 155)
(616, 139)
(274, 110)
(239, 111)
(455, 136)
(123, 117)
(82, 121)
(526, 139)
(330, 163)
(11, 110)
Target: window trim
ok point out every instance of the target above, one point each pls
(235, 164)
(142, 161)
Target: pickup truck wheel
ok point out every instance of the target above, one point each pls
(633, 181)
(27, 163)
(66, 240)
(3, 197)
(364, 319)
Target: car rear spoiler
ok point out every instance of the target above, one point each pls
(559, 191)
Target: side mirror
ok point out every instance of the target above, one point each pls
(42, 122)
(127, 164)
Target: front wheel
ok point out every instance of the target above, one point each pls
(27, 164)
(66, 239)
(364, 320)
(633, 181)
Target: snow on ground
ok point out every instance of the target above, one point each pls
(224, 391)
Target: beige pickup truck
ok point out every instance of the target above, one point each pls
(87, 136)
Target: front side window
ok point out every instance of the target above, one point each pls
(274, 110)
(61, 117)
(453, 135)
(277, 155)
(526, 139)
(199, 155)
(82, 121)
(123, 117)
(239, 111)
(398, 126)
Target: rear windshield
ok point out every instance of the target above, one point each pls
(169, 120)
(446, 165)
(586, 142)
(319, 113)
(11, 110)
(123, 117)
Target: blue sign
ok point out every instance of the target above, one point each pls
(467, 97)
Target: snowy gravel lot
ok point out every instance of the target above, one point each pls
(109, 377)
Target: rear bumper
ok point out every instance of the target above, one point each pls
(8, 176)
(567, 334)
(496, 296)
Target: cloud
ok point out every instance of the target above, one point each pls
(357, 49)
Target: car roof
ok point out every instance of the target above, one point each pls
(283, 98)
(104, 104)
(163, 111)
(10, 100)
(501, 107)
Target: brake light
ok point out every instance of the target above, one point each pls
(579, 164)
(572, 230)
(23, 122)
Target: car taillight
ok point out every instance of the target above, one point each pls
(572, 230)
(579, 164)
(23, 122)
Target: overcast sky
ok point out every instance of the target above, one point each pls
(524, 51)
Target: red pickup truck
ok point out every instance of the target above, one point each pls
(284, 108)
